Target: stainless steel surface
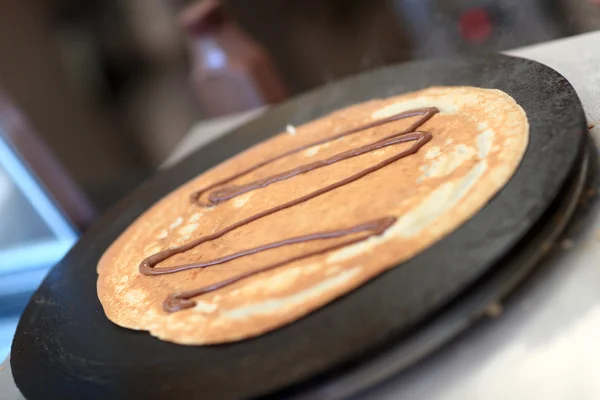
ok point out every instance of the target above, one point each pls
(8, 390)
(544, 344)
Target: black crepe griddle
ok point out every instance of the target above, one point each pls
(470, 306)
(66, 348)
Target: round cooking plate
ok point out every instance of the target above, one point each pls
(65, 347)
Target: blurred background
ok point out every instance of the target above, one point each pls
(95, 95)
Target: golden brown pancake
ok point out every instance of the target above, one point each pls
(477, 140)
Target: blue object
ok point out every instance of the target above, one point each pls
(34, 235)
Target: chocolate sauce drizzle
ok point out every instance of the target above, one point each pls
(183, 300)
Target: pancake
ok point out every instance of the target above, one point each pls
(296, 221)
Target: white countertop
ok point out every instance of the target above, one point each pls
(546, 343)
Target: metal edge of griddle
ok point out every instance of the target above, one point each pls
(468, 309)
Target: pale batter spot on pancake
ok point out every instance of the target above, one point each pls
(198, 318)
(469, 181)
(282, 304)
(419, 102)
(184, 239)
(162, 234)
(449, 141)
(195, 217)
(205, 307)
(239, 201)
(291, 129)
(425, 172)
(312, 151)
(188, 229)
(135, 296)
(461, 149)
(152, 249)
(484, 142)
(448, 162)
(445, 107)
(176, 223)
(353, 250)
(432, 152)
(279, 280)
